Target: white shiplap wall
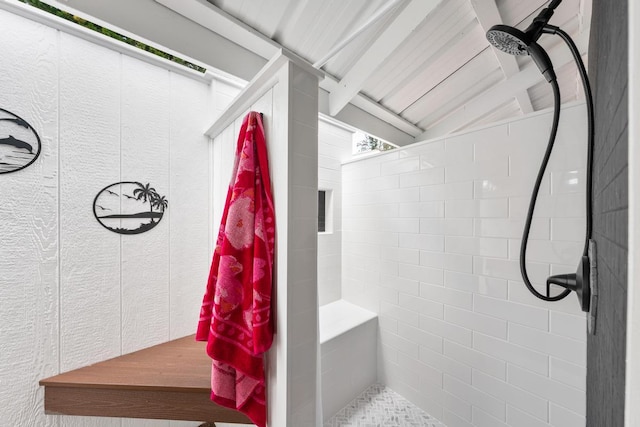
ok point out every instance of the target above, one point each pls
(431, 237)
(71, 292)
(29, 257)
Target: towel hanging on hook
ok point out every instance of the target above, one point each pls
(235, 318)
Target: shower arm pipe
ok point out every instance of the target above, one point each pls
(536, 29)
(380, 13)
(534, 196)
(554, 4)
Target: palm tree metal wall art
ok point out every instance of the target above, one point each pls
(129, 207)
(19, 143)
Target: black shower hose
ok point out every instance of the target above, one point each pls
(550, 29)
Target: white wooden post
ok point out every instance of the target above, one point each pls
(286, 91)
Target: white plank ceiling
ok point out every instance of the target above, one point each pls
(424, 69)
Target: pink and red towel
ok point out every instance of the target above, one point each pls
(235, 318)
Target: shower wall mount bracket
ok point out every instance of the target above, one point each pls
(581, 281)
(593, 283)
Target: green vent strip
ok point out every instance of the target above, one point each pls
(117, 36)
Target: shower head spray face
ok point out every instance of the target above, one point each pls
(516, 42)
(508, 39)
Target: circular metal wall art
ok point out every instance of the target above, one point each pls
(19, 143)
(129, 207)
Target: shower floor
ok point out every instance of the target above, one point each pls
(379, 406)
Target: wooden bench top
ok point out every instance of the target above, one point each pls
(169, 381)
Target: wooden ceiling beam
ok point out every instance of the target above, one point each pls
(489, 15)
(406, 21)
(218, 21)
(274, 12)
(222, 23)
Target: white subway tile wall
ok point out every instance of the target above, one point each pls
(334, 147)
(431, 240)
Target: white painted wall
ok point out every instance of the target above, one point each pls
(431, 238)
(71, 292)
(334, 148)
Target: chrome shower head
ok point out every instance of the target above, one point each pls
(509, 39)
